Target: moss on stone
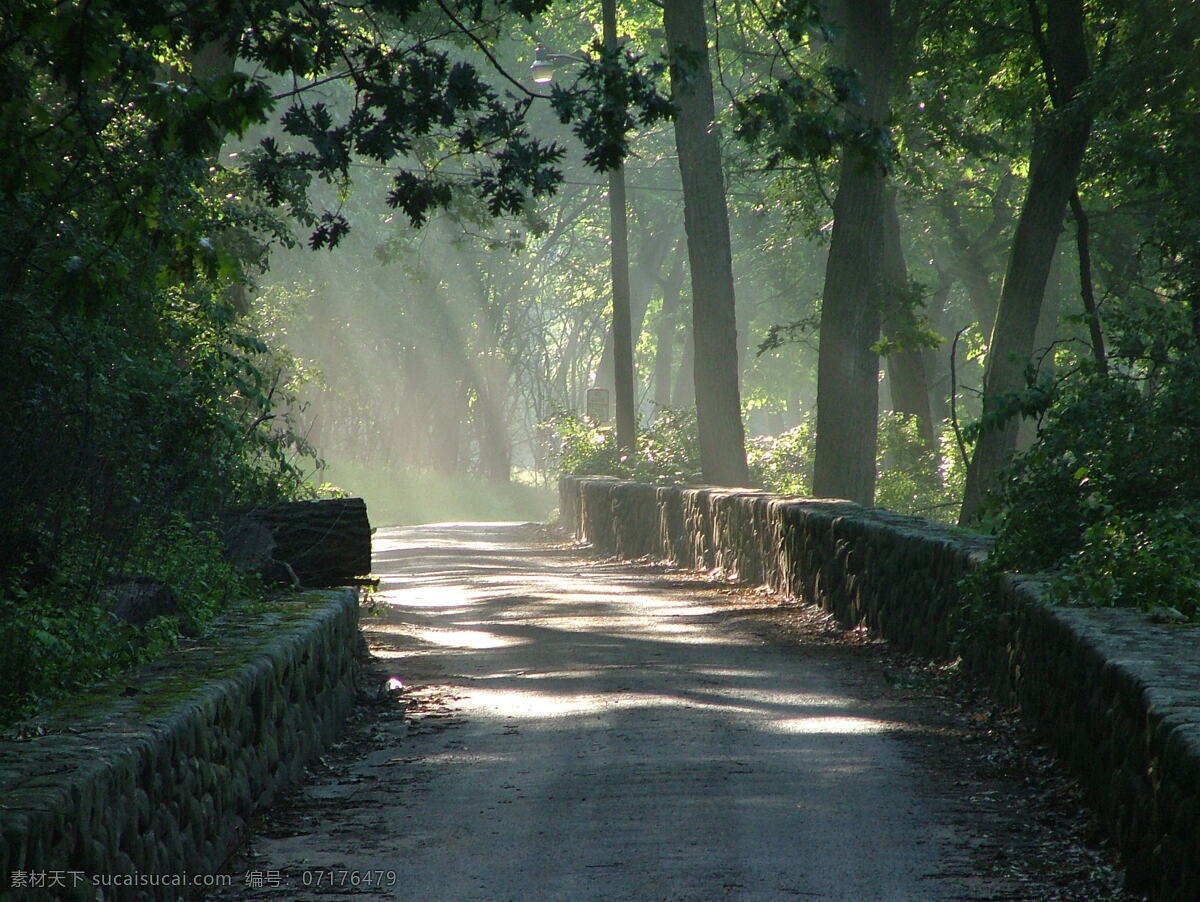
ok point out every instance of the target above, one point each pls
(178, 746)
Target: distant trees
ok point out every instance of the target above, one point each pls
(983, 114)
(928, 154)
(893, 164)
(140, 396)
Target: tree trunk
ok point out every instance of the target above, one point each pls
(906, 368)
(1043, 339)
(664, 346)
(495, 444)
(847, 367)
(444, 381)
(684, 393)
(445, 422)
(706, 218)
(937, 361)
(622, 320)
(1086, 290)
(1054, 169)
(641, 279)
(972, 252)
(622, 325)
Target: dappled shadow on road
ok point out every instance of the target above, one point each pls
(579, 730)
(602, 624)
(608, 716)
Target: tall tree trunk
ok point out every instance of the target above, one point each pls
(937, 361)
(445, 380)
(664, 345)
(971, 252)
(1043, 338)
(622, 326)
(847, 367)
(642, 277)
(495, 444)
(684, 393)
(1086, 290)
(1054, 169)
(706, 218)
(906, 368)
(974, 279)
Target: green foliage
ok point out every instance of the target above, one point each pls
(137, 411)
(60, 636)
(1145, 559)
(783, 463)
(813, 108)
(52, 643)
(140, 397)
(914, 478)
(906, 327)
(1106, 499)
(586, 449)
(129, 105)
(191, 561)
(1031, 402)
(604, 116)
(667, 452)
(780, 334)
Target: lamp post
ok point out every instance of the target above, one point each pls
(545, 64)
(543, 68)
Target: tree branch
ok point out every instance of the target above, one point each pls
(486, 51)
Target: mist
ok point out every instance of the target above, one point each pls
(424, 365)
(428, 367)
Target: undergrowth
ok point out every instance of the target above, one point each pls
(60, 635)
(912, 477)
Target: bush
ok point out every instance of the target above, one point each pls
(1145, 560)
(914, 478)
(1107, 499)
(60, 635)
(667, 451)
(585, 448)
(783, 463)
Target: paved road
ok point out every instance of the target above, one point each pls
(584, 731)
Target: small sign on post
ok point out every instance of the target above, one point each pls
(597, 406)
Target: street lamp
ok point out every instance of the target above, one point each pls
(543, 68)
(545, 63)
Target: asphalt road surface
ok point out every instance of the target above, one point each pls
(581, 730)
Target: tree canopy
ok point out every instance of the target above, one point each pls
(241, 240)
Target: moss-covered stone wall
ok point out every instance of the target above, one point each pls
(151, 779)
(1118, 697)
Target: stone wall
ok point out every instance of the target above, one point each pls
(1117, 696)
(156, 775)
